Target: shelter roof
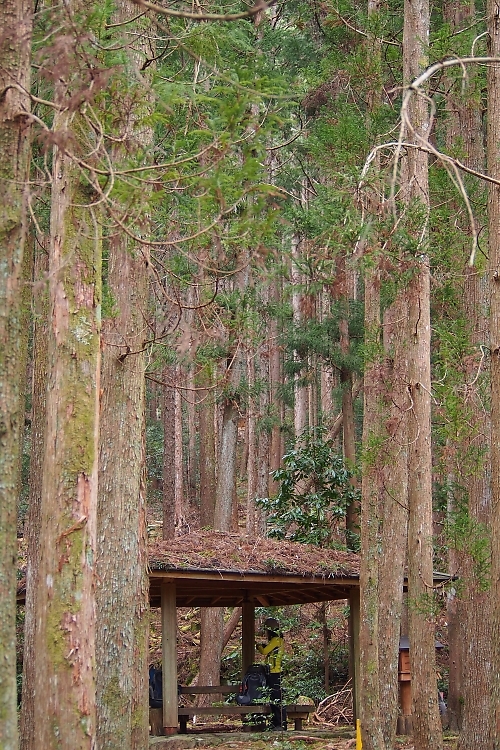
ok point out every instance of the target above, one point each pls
(213, 568)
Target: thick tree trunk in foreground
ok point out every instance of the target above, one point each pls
(425, 713)
(15, 48)
(122, 635)
(476, 605)
(493, 169)
(122, 593)
(65, 600)
(469, 703)
(32, 530)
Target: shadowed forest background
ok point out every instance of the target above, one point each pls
(249, 262)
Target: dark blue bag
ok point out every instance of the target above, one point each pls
(155, 688)
(253, 685)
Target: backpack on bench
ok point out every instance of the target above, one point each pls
(252, 688)
(155, 688)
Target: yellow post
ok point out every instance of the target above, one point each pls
(359, 745)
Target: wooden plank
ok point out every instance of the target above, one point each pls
(222, 710)
(247, 637)
(261, 578)
(300, 708)
(169, 656)
(263, 600)
(156, 722)
(354, 626)
(210, 689)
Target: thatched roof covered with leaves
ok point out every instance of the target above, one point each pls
(215, 550)
(212, 568)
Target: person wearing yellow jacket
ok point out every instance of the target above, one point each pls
(273, 650)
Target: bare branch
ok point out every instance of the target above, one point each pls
(258, 8)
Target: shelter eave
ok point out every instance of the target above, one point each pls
(222, 588)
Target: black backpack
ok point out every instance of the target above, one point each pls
(253, 685)
(155, 688)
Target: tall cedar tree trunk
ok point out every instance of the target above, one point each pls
(275, 378)
(258, 443)
(15, 47)
(226, 464)
(384, 483)
(168, 413)
(32, 528)
(173, 479)
(251, 453)
(213, 618)
(207, 451)
(493, 168)
(469, 703)
(475, 618)
(425, 711)
(371, 721)
(263, 442)
(301, 403)
(65, 714)
(192, 456)
(393, 484)
(346, 283)
(122, 593)
(122, 634)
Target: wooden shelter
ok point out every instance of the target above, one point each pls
(212, 569)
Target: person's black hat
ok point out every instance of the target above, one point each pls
(271, 624)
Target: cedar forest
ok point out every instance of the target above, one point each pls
(249, 263)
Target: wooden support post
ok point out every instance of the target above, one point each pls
(354, 621)
(169, 657)
(247, 637)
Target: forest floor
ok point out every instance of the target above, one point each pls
(309, 739)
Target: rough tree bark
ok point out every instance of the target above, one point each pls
(122, 591)
(394, 509)
(469, 705)
(275, 378)
(425, 713)
(65, 599)
(371, 723)
(493, 168)
(32, 529)
(301, 393)
(173, 484)
(207, 451)
(15, 48)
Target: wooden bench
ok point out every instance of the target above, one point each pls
(296, 713)
(186, 712)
